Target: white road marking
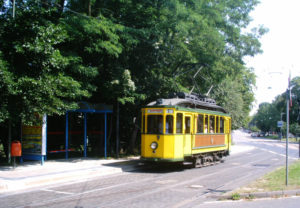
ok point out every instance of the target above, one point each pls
(165, 181)
(196, 186)
(58, 192)
(276, 153)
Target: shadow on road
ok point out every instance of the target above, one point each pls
(139, 166)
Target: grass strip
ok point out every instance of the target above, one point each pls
(275, 181)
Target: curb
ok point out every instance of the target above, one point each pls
(255, 195)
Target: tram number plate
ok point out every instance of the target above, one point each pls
(169, 111)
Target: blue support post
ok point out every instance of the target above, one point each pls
(105, 132)
(46, 142)
(85, 112)
(67, 135)
(42, 160)
(85, 143)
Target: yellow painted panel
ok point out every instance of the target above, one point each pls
(146, 149)
(178, 146)
(168, 147)
(187, 144)
(143, 153)
(213, 149)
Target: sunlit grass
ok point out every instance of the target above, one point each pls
(276, 180)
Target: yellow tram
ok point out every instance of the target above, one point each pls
(185, 128)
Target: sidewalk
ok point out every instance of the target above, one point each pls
(33, 174)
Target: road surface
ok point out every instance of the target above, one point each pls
(166, 185)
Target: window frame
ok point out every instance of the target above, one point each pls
(157, 127)
(190, 124)
(212, 126)
(203, 123)
(181, 123)
(169, 126)
(222, 121)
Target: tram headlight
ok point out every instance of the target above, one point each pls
(154, 145)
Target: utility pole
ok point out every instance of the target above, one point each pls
(288, 103)
(287, 137)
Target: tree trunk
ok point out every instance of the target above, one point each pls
(133, 138)
(117, 131)
(45, 4)
(9, 141)
(89, 8)
(61, 4)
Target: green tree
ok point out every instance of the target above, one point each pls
(163, 44)
(267, 117)
(37, 75)
(132, 52)
(6, 89)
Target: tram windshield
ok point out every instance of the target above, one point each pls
(155, 124)
(169, 124)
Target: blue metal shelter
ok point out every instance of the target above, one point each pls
(86, 108)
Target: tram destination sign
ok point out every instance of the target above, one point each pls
(155, 110)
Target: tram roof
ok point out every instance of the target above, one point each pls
(197, 110)
(188, 104)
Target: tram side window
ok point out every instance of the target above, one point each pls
(169, 124)
(179, 123)
(187, 125)
(206, 124)
(212, 124)
(217, 124)
(221, 125)
(200, 124)
(155, 124)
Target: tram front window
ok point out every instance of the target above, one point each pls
(169, 124)
(155, 124)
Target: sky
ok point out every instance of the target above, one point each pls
(281, 48)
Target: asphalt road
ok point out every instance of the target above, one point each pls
(165, 186)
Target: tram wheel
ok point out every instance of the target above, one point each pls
(197, 162)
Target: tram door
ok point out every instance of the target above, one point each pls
(187, 143)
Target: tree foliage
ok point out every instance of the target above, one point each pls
(269, 113)
(58, 52)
